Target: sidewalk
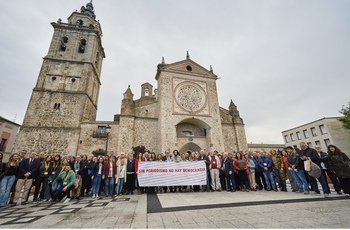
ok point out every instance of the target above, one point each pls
(261, 209)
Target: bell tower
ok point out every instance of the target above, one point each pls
(67, 89)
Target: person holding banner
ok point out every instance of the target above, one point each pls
(205, 158)
(167, 157)
(193, 158)
(177, 158)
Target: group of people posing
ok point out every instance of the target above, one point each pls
(58, 178)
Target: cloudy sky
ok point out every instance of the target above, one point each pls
(283, 63)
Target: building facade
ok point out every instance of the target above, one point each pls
(181, 113)
(322, 132)
(8, 133)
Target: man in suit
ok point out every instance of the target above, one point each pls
(324, 164)
(27, 172)
(227, 167)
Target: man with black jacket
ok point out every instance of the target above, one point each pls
(227, 167)
(305, 153)
(27, 172)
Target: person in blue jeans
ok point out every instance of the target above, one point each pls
(96, 177)
(297, 165)
(305, 153)
(109, 174)
(265, 163)
(227, 167)
(8, 174)
(121, 177)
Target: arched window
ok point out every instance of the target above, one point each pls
(82, 46)
(146, 92)
(80, 22)
(64, 42)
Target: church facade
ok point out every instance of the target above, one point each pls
(181, 113)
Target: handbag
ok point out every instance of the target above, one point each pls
(315, 170)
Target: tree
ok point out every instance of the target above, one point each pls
(346, 119)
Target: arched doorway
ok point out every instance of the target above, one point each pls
(190, 147)
(192, 134)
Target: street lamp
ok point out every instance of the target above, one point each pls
(108, 129)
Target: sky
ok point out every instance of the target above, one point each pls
(283, 63)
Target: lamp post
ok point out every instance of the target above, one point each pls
(108, 129)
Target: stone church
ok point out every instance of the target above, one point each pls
(181, 113)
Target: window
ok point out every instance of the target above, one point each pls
(306, 135)
(101, 129)
(313, 132)
(80, 22)
(147, 92)
(187, 133)
(82, 46)
(57, 106)
(292, 137)
(309, 144)
(327, 142)
(298, 135)
(286, 139)
(2, 144)
(295, 146)
(64, 42)
(322, 129)
(318, 143)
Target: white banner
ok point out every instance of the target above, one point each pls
(165, 173)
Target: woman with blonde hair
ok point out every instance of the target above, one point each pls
(7, 178)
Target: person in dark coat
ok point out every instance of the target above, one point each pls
(228, 168)
(339, 162)
(28, 170)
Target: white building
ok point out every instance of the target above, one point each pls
(322, 132)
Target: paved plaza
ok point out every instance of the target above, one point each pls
(261, 209)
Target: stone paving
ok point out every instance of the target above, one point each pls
(261, 209)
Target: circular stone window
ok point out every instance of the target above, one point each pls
(189, 68)
(190, 97)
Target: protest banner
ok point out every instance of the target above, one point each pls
(163, 173)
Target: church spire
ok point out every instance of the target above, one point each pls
(88, 10)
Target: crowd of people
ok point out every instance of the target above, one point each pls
(56, 178)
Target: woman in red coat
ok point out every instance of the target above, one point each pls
(109, 175)
(137, 160)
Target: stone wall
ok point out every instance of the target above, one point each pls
(51, 140)
(146, 134)
(89, 142)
